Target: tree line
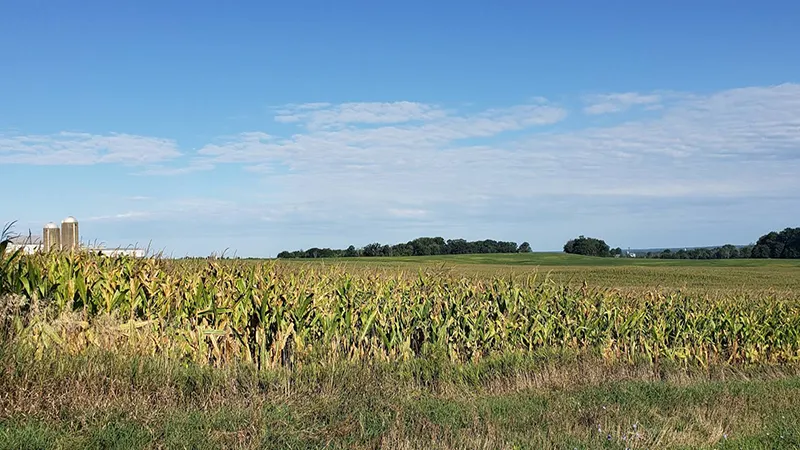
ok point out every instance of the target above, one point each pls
(423, 246)
(775, 244)
(783, 244)
(727, 251)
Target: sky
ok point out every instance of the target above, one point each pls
(254, 127)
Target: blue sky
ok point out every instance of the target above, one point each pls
(263, 126)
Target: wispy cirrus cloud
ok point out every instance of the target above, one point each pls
(161, 170)
(129, 215)
(618, 102)
(323, 115)
(697, 142)
(70, 148)
(355, 144)
(408, 213)
(728, 146)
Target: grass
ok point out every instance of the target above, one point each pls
(110, 401)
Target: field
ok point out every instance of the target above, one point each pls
(477, 351)
(703, 277)
(562, 259)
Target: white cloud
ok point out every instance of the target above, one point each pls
(130, 215)
(354, 148)
(160, 170)
(68, 148)
(194, 210)
(323, 115)
(618, 102)
(695, 147)
(408, 213)
(245, 147)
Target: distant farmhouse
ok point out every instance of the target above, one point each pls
(28, 244)
(66, 238)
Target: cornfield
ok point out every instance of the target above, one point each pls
(220, 312)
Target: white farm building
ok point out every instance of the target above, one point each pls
(28, 244)
(66, 237)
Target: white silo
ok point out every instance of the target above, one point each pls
(69, 234)
(51, 237)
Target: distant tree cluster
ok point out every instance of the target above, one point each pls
(423, 246)
(727, 251)
(784, 244)
(589, 246)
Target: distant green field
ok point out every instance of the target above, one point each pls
(780, 278)
(563, 259)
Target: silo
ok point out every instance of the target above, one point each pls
(69, 234)
(51, 237)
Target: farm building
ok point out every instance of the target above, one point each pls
(66, 237)
(28, 244)
(135, 252)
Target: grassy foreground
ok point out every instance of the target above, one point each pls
(124, 353)
(549, 401)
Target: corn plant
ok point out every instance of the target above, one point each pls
(220, 312)
(7, 258)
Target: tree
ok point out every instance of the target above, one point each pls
(587, 247)
(784, 244)
(760, 251)
(428, 246)
(402, 250)
(727, 251)
(373, 249)
(507, 247)
(457, 247)
(524, 248)
(350, 252)
(326, 253)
